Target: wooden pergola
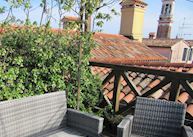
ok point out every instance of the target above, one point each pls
(176, 79)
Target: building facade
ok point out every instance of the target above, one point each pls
(166, 19)
(132, 18)
(176, 50)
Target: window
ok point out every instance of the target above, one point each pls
(163, 9)
(185, 54)
(170, 10)
(166, 9)
(190, 54)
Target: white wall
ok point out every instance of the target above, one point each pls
(177, 52)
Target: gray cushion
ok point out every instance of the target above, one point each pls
(66, 132)
(32, 115)
(133, 135)
(158, 118)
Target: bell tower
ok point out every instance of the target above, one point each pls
(132, 18)
(166, 19)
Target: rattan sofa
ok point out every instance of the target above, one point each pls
(155, 118)
(46, 116)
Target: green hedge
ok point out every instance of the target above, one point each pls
(36, 60)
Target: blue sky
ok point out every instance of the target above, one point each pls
(183, 9)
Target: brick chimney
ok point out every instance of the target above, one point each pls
(73, 22)
(132, 18)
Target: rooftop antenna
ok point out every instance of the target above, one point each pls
(182, 28)
(190, 0)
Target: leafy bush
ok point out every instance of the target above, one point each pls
(36, 60)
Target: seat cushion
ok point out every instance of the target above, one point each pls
(158, 118)
(66, 132)
(133, 135)
(32, 115)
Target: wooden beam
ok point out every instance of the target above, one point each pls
(116, 91)
(175, 90)
(146, 70)
(188, 87)
(108, 78)
(156, 88)
(107, 100)
(131, 85)
(126, 108)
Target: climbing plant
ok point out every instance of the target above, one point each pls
(36, 60)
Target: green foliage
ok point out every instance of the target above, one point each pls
(72, 25)
(2, 10)
(35, 60)
(111, 116)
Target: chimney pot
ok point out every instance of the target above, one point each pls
(152, 35)
(132, 18)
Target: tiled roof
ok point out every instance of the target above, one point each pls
(114, 48)
(71, 18)
(161, 42)
(145, 82)
(117, 48)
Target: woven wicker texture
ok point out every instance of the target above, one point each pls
(32, 115)
(158, 118)
(67, 132)
(86, 123)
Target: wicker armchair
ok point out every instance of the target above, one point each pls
(46, 116)
(155, 118)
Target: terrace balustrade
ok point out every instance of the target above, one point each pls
(177, 80)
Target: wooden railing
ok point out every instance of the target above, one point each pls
(176, 79)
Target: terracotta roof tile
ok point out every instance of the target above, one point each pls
(133, 74)
(190, 109)
(122, 95)
(154, 83)
(110, 95)
(139, 88)
(126, 89)
(105, 85)
(183, 97)
(142, 75)
(145, 82)
(71, 18)
(157, 94)
(110, 86)
(190, 70)
(105, 91)
(117, 48)
(161, 42)
(124, 83)
(137, 80)
(129, 97)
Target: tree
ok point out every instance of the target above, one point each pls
(83, 8)
(86, 9)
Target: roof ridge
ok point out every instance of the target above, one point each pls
(108, 34)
